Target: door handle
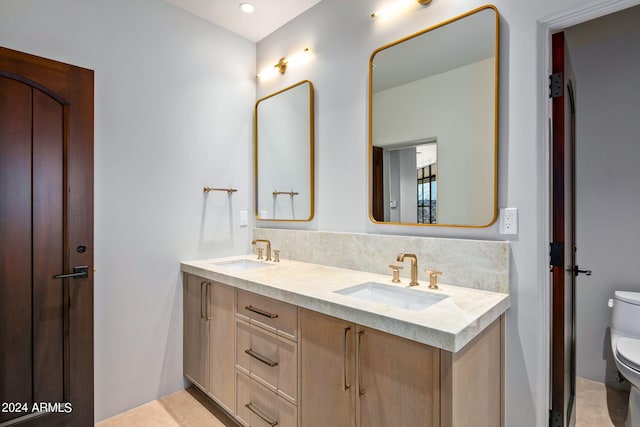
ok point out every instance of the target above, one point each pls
(577, 271)
(78, 273)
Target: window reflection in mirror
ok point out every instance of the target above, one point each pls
(436, 91)
(284, 154)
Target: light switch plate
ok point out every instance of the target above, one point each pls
(244, 218)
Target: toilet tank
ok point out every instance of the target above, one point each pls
(625, 316)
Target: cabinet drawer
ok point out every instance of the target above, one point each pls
(257, 406)
(273, 315)
(268, 358)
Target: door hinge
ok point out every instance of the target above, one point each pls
(555, 85)
(556, 254)
(555, 418)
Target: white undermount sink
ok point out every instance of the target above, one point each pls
(409, 299)
(241, 264)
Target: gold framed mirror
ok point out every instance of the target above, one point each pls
(433, 123)
(283, 154)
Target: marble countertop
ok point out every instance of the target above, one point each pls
(449, 324)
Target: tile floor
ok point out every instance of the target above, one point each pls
(186, 408)
(596, 406)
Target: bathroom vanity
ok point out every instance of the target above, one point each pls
(300, 344)
(313, 340)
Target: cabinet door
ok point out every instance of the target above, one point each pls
(222, 344)
(196, 331)
(472, 381)
(327, 371)
(399, 381)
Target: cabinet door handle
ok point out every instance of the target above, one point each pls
(260, 414)
(270, 363)
(261, 312)
(347, 386)
(202, 298)
(209, 303)
(361, 390)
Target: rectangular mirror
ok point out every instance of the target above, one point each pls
(433, 107)
(283, 136)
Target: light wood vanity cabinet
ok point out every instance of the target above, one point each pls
(209, 334)
(270, 363)
(353, 375)
(327, 371)
(398, 380)
(357, 376)
(258, 406)
(275, 316)
(268, 358)
(196, 332)
(266, 361)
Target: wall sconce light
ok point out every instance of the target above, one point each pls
(396, 7)
(281, 67)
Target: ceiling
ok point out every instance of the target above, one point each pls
(268, 16)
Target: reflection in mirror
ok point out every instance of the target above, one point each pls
(433, 123)
(284, 154)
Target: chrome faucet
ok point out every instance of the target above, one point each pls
(414, 267)
(268, 243)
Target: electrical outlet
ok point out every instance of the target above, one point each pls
(244, 220)
(509, 221)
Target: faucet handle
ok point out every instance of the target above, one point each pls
(276, 255)
(433, 278)
(395, 273)
(259, 251)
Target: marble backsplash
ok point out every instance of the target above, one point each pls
(477, 264)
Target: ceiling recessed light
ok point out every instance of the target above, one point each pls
(247, 7)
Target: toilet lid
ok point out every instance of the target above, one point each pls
(630, 297)
(629, 352)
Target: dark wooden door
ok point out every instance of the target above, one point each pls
(46, 229)
(563, 245)
(377, 184)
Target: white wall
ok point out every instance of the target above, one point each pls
(606, 57)
(407, 193)
(173, 112)
(342, 35)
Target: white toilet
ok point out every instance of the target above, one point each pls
(625, 344)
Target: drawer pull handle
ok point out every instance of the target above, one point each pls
(260, 414)
(261, 312)
(261, 358)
